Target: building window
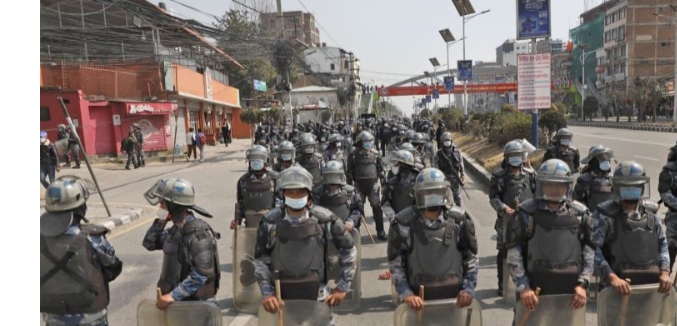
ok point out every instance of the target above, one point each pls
(331, 66)
(622, 68)
(622, 51)
(45, 114)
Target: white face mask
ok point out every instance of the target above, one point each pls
(296, 204)
(162, 214)
(256, 165)
(605, 166)
(395, 170)
(43, 140)
(447, 143)
(338, 145)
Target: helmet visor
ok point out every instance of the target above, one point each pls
(631, 188)
(554, 189)
(433, 197)
(156, 193)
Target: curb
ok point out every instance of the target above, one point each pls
(117, 221)
(478, 171)
(616, 125)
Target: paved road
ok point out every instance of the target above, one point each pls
(648, 148)
(214, 181)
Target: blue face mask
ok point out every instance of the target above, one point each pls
(630, 193)
(296, 204)
(515, 160)
(366, 144)
(565, 142)
(256, 165)
(605, 166)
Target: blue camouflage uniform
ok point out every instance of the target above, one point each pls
(154, 239)
(266, 241)
(604, 230)
(103, 255)
(354, 200)
(467, 245)
(525, 226)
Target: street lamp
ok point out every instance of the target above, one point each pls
(450, 40)
(467, 12)
(673, 20)
(585, 85)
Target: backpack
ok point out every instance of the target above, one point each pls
(203, 139)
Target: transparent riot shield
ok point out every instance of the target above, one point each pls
(552, 310)
(179, 313)
(353, 297)
(297, 313)
(246, 292)
(253, 218)
(643, 306)
(393, 295)
(62, 146)
(439, 313)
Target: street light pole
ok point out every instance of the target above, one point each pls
(584, 86)
(465, 82)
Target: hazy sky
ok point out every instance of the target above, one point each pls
(394, 38)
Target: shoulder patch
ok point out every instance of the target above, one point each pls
(406, 216)
(322, 214)
(95, 229)
(529, 206)
(273, 215)
(578, 207)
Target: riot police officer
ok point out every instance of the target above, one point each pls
(593, 186)
(446, 268)
(63, 134)
(450, 161)
(384, 135)
(310, 160)
(511, 184)
(286, 155)
(667, 188)
(337, 196)
(556, 232)
(76, 261)
(629, 238)
(365, 170)
(285, 246)
(334, 151)
(255, 195)
(562, 150)
(419, 141)
(417, 156)
(190, 267)
(398, 192)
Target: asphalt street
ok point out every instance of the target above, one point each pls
(215, 179)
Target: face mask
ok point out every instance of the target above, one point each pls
(309, 150)
(366, 145)
(286, 157)
(296, 204)
(447, 143)
(338, 145)
(565, 142)
(43, 140)
(401, 132)
(162, 214)
(395, 170)
(630, 193)
(605, 166)
(515, 160)
(256, 165)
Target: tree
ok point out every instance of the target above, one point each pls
(551, 121)
(590, 107)
(425, 113)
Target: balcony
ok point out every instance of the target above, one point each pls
(186, 82)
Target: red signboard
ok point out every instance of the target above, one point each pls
(149, 108)
(427, 90)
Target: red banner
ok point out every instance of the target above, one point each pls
(458, 89)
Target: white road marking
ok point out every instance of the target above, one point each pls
(241, 320)
(627, 140)
(647, 158)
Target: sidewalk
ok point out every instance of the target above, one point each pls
(121, 214)
(661, 125)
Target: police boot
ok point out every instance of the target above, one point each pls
(378, 220)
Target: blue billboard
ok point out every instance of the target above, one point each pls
(436, 94)
(464, 69)
(533, 19)
(428, 99)
(449, 83)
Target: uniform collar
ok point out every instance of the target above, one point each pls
(440, 219)
(292, 220)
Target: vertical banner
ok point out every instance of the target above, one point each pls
(533, 81)
(449, 83)
(533, 19)
(464, 70)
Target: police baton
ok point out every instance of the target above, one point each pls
(366, 227)
(278, 294)
(525, 317)
(421, 293)
(624, 306)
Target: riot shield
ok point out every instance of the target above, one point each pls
(246, 292)
(61, 146)
(393, 295)
(509, 288)
(353, 297)
(179, 313)
(297, 313)
(253, 218)
(552, 310)
(439, 313)
(643, 306)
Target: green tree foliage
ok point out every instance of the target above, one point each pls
(551, 121)
(591, 106)
(426, 113)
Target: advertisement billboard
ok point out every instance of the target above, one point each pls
(533, 19)
(464, 70)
